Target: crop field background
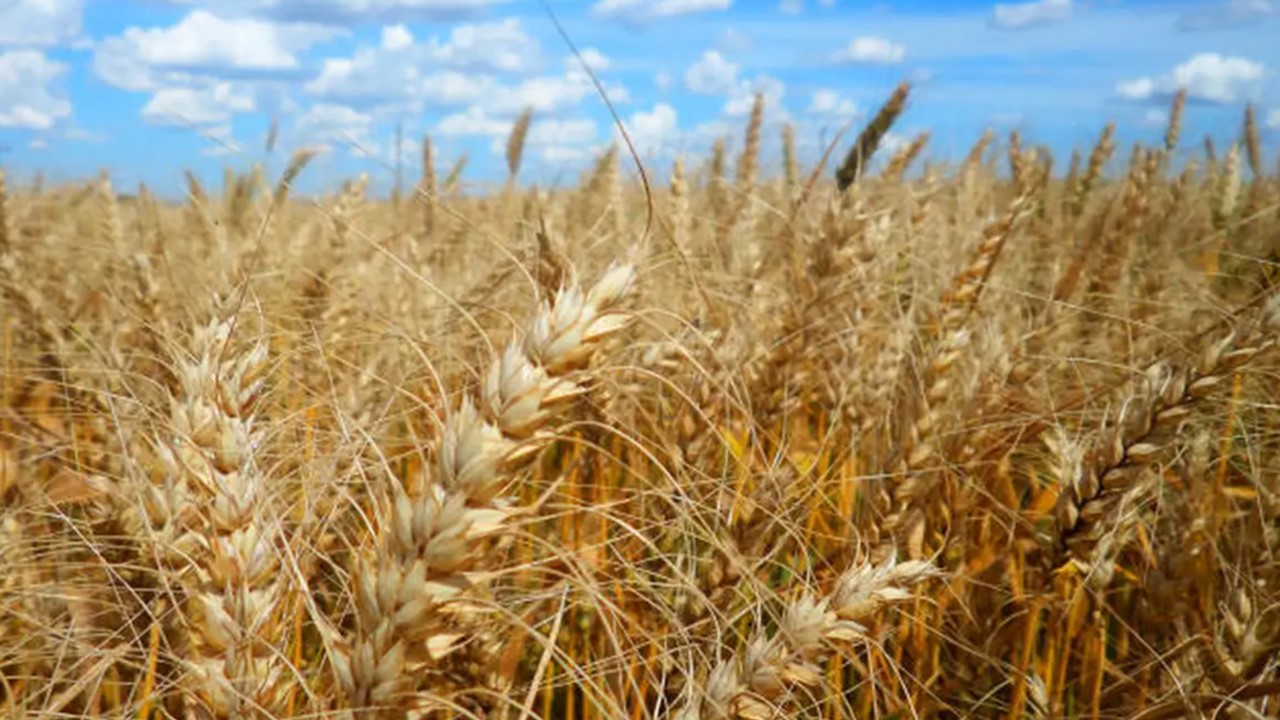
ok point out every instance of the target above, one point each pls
(869, 436)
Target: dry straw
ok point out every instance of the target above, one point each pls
(982, 439)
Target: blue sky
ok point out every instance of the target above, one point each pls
(147, 88)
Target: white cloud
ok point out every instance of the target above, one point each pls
(381, 76)
(39, 22)
(474, 121)
(829, 102)
(204, 45)
(663, 80)
(869, 49)
(1210, 76)
(38, 144)
(454, 72)
(743, 97)
(348, 12)
(564, 154)
(557, 139)
(655, 131)
(189, 106)
(491, 46)
(323, 118)
(1228, 14)
(409, 149)
(410, 77)
(1273, 119)
(451, 88)
(221, 141)
(548, 94)
(568, 142)
(1138, 89)
(28, 96)
(639, 11)
(711, 75)
(328, 125)
(594, 59)
(570, 131)
(892, 142)
(396, 37)
(1206, 76)
(1016, 16)
(791, 7)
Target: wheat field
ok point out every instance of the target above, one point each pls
(876, 437)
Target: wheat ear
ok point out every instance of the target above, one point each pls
(208, 523)
(762, 680)
(420, 565)
(1148, 423)
(864, 147)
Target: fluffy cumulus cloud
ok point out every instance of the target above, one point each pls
(361, 80)
(29, 95)
(892, 142)
(743, 96)
(654, 132)
(452, 72)
(831, 103)
(1208, 77)
(346, 12)
(396, 37)
(203, 45)
(870, 49)
(572, 130)
(640, 11)
(1228, 14)
(552, 139)
(326, 126)
(475, 120)
(477, 88)
(501, 45)
(183, 106)
(1143, 88)
(220, 141)
(39, 22)
(1017, 16)
(594, 59)
(550, 94)
(711, 74)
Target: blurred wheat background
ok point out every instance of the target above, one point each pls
(874, 438)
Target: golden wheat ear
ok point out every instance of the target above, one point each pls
(408, 588)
